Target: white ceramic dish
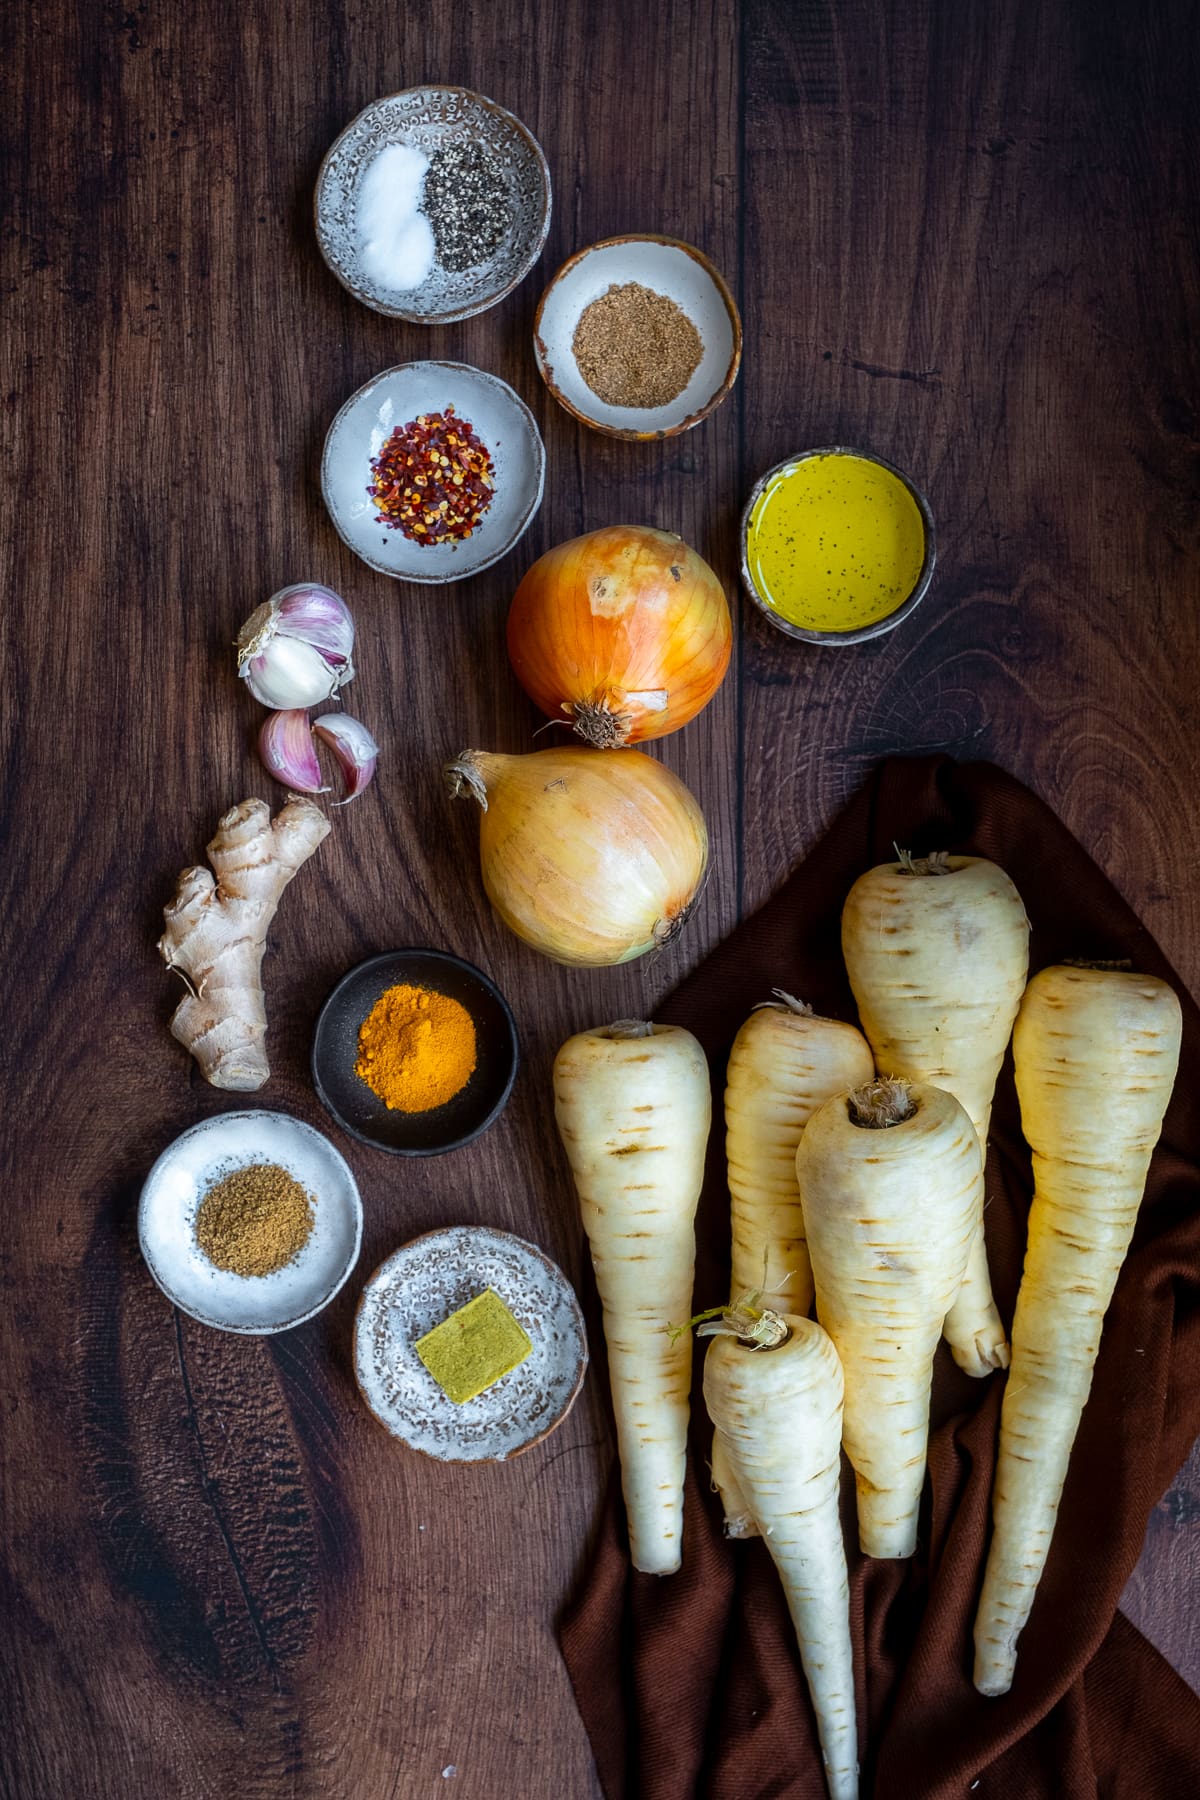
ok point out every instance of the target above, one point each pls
(427, 119)
(422, 1284)
(669, 267)
(502, 421)
(253, 1305)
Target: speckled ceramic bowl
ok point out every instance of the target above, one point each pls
(502, 421)
(427, 119)
(251, 1304)
(668, 267)
(422, 1284)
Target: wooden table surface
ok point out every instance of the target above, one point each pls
(965, 237)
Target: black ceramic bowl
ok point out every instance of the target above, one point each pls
(358, 1109)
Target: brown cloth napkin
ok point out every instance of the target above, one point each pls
(690, 1685)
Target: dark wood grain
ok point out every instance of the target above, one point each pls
(964, 239)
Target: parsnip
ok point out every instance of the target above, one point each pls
(937, 950)
(778, 1415)
(633, 1105)
(785, 1062)
(890, 1177)
(1096, 1053)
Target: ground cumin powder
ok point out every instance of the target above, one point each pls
(634, 347)
(254, 1221)
(416, 1048)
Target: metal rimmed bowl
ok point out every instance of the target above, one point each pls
(428, 119)
(666, 266)
(862, 633)
(253, 1305)
(361, 428)
(418, 1287)
(359, 1110)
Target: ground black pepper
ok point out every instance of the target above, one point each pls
(255, 1220)
(466, 202)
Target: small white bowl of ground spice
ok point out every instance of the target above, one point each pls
(638, 337)
(250, 1222)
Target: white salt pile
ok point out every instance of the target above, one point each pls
(395, 240)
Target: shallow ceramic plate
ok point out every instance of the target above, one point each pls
(358, 1109)
(253, 1304)
(422, 1284)
(669, 267)
(429, 118)
(503, 422)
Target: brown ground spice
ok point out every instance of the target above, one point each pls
(635, 347)
(254, 1221)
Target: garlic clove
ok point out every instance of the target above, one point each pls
(287, 751)
(356, 750)
(289, 673)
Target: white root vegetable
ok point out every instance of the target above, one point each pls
(633, 1106)
(890, 1178)
(785, 1062)
(937, 950)
(778, 1414)
(1096, 1053)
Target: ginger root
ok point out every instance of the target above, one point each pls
(217, 931)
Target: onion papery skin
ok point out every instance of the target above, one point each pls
(592, 859)
(624, 632)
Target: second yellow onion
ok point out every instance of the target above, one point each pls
(591, 859)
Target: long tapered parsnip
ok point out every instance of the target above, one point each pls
(785, 1062)
(890, 1177)
(937, 950)
(1096, 1053)
(634, 1105)
(778, 1414)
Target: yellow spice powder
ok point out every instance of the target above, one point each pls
(416, 1048)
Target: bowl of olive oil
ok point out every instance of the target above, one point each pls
(838, 546)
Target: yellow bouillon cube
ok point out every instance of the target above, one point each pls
(474, 1347)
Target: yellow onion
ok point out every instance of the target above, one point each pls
(625, 632)
(591, 859)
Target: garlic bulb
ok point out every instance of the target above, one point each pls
(295, 649)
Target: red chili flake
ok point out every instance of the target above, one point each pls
(419, 489)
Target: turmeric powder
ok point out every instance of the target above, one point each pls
(416, 1048)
